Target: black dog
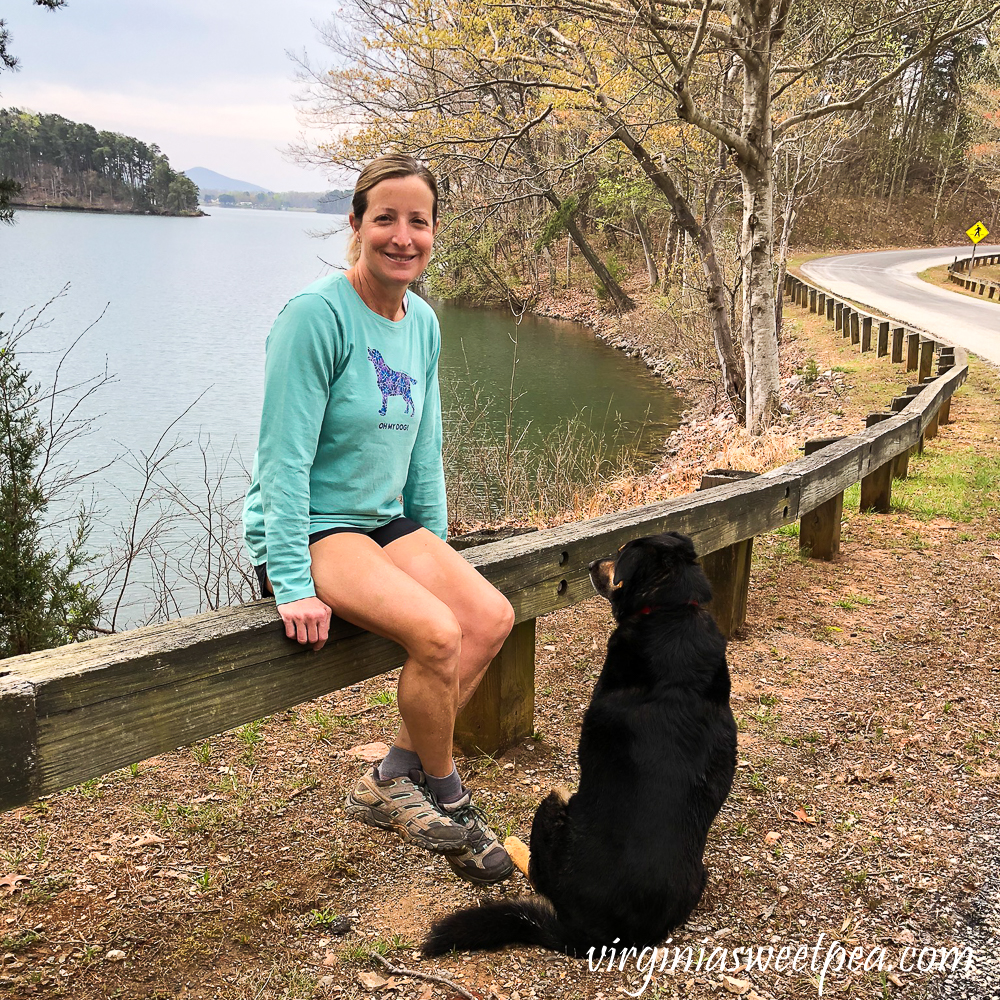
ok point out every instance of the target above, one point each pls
(622, 858)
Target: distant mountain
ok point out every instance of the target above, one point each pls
(209, 180)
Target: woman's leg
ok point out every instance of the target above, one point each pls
(362, 585)
(421, 593)
(483, 613)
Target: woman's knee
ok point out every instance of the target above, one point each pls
(493, 621)
(438, 646)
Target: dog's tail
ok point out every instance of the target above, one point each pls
(526, 920)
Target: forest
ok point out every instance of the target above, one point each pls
(692, 143)
(61, 163)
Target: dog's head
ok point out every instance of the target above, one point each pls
(658, 571)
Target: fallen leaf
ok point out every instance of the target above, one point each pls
(10, 881)
(330, 959)
(894, 979)
(737, 986)
(801, 817)
(772, 838)
(147, 839)
(115, 955)
(370, 752)
(372, 980)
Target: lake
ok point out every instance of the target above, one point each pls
(187, 304)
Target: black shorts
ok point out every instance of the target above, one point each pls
(396, 528)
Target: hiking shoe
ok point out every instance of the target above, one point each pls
(406, 806)
(484, 860)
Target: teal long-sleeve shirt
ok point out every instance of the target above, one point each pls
(350, 432)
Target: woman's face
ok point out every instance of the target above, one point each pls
(397, 231)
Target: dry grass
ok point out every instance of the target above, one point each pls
(939, 276)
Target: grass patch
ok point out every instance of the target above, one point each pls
(959, 485)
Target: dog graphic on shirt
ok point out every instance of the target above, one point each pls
(392, 383)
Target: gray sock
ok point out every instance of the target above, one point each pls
(447, 789)
(398, 763)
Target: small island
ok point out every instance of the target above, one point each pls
(57, 163)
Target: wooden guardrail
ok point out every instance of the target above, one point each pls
(960, 272)
(79, 711)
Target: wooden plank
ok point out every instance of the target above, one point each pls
(821, 476)
(912, 351)
(18, 740)
(866, 334)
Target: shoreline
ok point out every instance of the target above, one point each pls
(708, 434)
(90, 210)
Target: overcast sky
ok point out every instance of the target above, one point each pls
(208, 81)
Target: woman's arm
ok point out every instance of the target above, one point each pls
(298, 370)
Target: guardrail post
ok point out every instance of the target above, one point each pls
(930, 431)
(912, 352)
(819, 529)
(821, 303)
(855, 327)
(502, 709)
(901, 463)
(812, 300)
(728, 569)
(882, 347)
(926, 358)
(876, 487)
(830, 306)
(838, 322)
(898, 334)
(866, 334)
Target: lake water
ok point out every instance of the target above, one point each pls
(187, 304)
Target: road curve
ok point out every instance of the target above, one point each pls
(887, 281)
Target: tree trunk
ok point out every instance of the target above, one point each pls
(670, 252)
(622, 302)
(647, 248)
(760, 342)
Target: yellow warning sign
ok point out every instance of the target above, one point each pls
(977, 233)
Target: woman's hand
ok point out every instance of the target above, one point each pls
(306, 621)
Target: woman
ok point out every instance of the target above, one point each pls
(346, 510)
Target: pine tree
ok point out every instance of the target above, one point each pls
(42, 604)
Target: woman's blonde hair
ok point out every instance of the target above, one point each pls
(385, 168)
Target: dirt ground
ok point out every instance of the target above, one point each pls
(867, 693)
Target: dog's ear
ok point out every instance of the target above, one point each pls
(625, 564)
(686, 545)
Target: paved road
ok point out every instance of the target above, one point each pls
(887, 281)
